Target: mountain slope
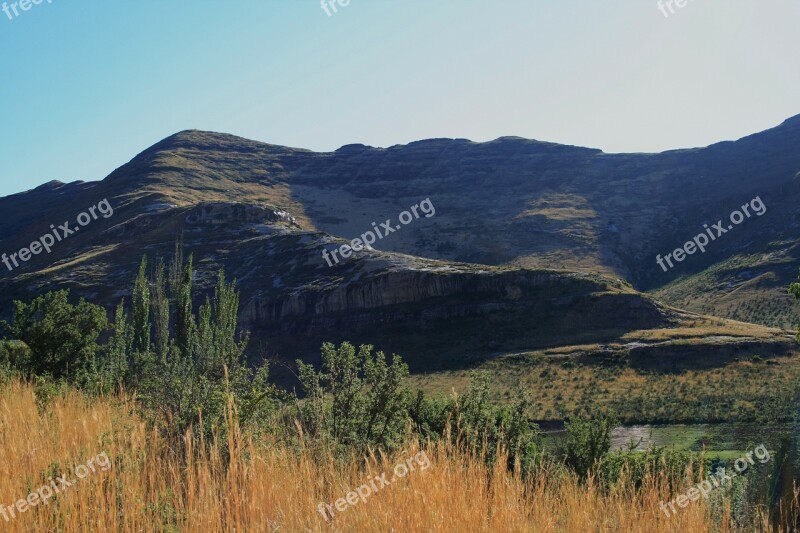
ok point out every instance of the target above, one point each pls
(524, 252)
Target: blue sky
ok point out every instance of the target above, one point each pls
(85, 85)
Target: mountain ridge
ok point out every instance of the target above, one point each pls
(265, 212)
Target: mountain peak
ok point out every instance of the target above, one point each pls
(199, 139)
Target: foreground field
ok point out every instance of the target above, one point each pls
(243, 484)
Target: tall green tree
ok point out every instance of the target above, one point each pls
(160, 308)
(140, 354)
(181, 287)
(200, 361)
(141, 310)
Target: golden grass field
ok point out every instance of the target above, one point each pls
(258, 487)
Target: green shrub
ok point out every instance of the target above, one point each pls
(588, 440)
(369, 403)
(634, 466)
(476, 425)
(14, 356)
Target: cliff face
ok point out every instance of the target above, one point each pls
(448, 294)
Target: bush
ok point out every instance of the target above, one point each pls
(369, 404)
(633, 467)
(14, 356)
(587, 442)
(477, 426)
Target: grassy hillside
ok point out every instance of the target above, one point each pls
(750, 287)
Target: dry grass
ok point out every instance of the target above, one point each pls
(701, 327)
(729, 392)
(258, 487)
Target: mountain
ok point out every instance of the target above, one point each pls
(533, 245)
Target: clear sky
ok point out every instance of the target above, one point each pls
(86, 85)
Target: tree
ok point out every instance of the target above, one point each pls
(160, 308)
(140, 352)
(202, 364)
(109, 368)
(181, 292)
(62, 337)
(141, 310)
(14, 355)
